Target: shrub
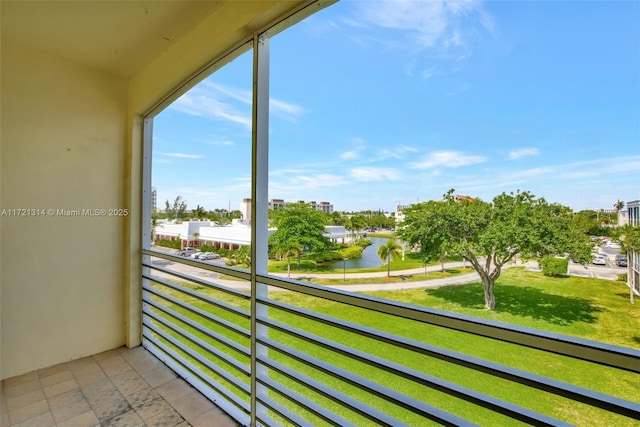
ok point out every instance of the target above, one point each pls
(552, 266)
(173, 244)
(207, 248)
(622, 277)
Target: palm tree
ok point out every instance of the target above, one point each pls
(287, 249)
(388, 251)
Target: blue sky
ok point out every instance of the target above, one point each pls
(375, 103)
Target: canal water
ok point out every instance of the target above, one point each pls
(369, 257)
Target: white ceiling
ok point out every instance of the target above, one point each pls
(117, 37)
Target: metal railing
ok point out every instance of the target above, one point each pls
(330, 357)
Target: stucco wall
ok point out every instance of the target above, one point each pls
(63, 133)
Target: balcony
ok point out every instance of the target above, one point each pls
(75, 288)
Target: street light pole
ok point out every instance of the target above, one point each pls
(344, 269)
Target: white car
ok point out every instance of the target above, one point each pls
(612, 245)
(209, 255)
(188, 252)
(598, 260)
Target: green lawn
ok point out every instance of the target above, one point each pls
(588, 308)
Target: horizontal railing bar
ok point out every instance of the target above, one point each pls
(380, 418)
(390, 395)
(480, 399)
(239, 330)
(213, 335)
(590, 397)
(206, 283)
(224, 374)
(204, 378)
(239, 413)
(230, 271)
(592, 351)
(219, 304)
(229, 343)
(302, 401)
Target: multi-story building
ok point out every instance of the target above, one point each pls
(279, 203)
(154, 199)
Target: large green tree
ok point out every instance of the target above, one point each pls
(299, 223)
(489, 235)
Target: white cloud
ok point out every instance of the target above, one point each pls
(285, 110)
(221, 142)
(205, 106)
(303, 183)
(429, 22)
(209, 99)
(349, 155)
(447, 159)
(397, 152)
(182, 155)
(522, 152)
(375, 174)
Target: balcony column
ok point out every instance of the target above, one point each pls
(259, 212)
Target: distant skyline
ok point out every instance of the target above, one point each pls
(379, 103)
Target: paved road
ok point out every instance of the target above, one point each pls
(609, 272)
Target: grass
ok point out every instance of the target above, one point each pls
(587, 308)
(397, 278)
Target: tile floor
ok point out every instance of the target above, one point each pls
(120, 388)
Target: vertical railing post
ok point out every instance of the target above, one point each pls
(259, 208)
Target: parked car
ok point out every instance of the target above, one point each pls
(621, 260)
(598, 260)
(612, 245)
(188, 251)
(209, 255)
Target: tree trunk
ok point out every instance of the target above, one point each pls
(489, 297)
(288, 268)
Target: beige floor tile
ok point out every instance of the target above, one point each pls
(153, 408)
(114, 366)
(109, 353)
(22, 388)
(145, 363)
(55, 389)
(70, 411)
(214, 417)
(192, 405)
(51, 370)
(127, 419)
(174, 390)
(89, 377)
(112, 409)
(65, 399)
(20, 379)
(165, 418)
(133, 386)
(29, 411)
(43, 420)
(56, 378)
(125, 376)
(24, 400)
(142, 397)
(88, 419)
(158, 376)
(93, 392)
